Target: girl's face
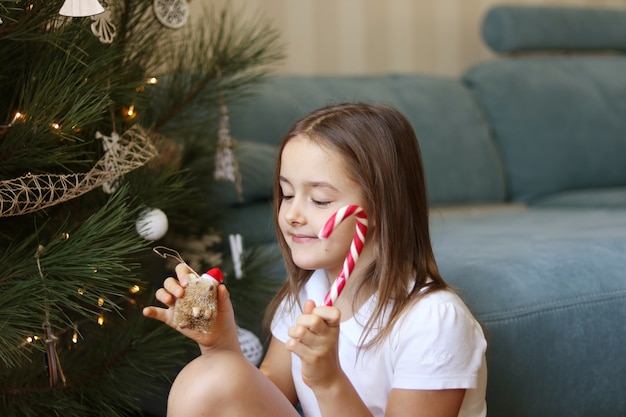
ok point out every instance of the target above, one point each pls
(315, 184)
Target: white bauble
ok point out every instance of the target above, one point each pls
(152, 224)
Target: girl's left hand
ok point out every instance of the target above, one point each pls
(223, 334)
(315, 339)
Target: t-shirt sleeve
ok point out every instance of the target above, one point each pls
(438, 345)
(282, 320)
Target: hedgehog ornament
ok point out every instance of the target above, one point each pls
(197, 309)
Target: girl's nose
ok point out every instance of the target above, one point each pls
(293, 214)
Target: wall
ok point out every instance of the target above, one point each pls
(377, 36)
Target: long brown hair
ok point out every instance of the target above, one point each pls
(380, 150)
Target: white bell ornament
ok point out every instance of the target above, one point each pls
(81, 8)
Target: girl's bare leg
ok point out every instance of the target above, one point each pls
(224, 383)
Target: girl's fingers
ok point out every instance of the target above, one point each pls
(174, 287)
(330, 315)
(165, 297)
(156, 313)
(182, 272)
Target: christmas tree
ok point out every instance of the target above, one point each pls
(104, 107)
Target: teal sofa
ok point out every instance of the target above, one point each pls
(525, 159)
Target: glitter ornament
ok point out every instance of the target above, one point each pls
(171, 13)
(152, 224)
(226, 166)
(250, 346)
(111, 147)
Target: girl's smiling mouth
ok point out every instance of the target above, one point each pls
(301, 238)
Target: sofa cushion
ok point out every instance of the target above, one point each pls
(607, 198)
(550, 288)
(460, 159)
(540, 28)
(559, 121)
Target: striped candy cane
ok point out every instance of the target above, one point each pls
(355, 247)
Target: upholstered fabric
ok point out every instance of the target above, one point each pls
(511, 28)
(559, 121)
(607, 198)
(549, 286)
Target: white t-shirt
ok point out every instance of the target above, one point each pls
(435, 345)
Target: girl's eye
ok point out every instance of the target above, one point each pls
(321, 203)
(286, 197)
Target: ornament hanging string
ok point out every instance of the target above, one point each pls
(165, 252)
(53, 363)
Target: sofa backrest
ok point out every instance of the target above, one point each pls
(560, 119)
(461, 162)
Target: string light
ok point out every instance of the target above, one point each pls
(100, 302)
(55, 126)
(129, 112)
(75, 337)
(153, 80)
(81, 291)
(135, 289)
(101, 320)
(19, 116)
(65, 236)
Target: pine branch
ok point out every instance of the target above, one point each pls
(216, 57)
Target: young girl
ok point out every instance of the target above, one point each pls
(396, 343)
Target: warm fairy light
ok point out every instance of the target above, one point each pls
(75, 337)
(101, 320)
(95, 271)
(153, 80)
(31, 339)
(55, 126)
(100, 302)
(17, 117)
(65, 236)
(129, 112)
(135, 289)
(81, 291)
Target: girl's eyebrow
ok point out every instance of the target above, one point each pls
(311, 184)
(320, 184)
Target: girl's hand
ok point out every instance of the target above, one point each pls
(223, 333)
(315, 339)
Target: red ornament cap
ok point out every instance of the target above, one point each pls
(214, 273)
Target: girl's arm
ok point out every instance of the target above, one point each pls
(418, 403)
(277, 367)
(314, 338)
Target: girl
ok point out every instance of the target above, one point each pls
(396, 343)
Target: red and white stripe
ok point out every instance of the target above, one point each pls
(355, 247)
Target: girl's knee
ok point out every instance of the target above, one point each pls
(207, 383)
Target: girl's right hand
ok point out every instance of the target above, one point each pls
(223, 333)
